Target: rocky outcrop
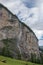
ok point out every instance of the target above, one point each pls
(17, 37)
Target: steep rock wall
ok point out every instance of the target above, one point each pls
(20, 39)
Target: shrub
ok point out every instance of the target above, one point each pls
(19, 56)
(34, 59)
(41, 55)
(5, 50)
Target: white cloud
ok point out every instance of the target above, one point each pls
(41, 11)
(38, 33)
(34, 18)
(41, 42)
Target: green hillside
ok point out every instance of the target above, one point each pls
(10, 61)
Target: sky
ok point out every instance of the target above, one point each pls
(30, 12)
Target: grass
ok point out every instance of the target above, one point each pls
(10, 61)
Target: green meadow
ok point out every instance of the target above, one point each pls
(10, 61)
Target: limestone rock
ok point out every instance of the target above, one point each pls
(17, 36)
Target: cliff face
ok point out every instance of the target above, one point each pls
(16, 36)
